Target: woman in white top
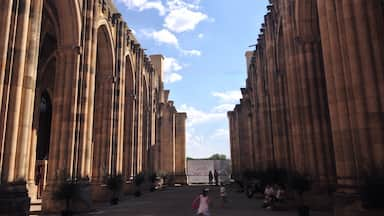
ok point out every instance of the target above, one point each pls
(203, 209)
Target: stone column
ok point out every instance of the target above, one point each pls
(350, 32)
(84, 121)
(245, 141)
(61, 154)
(180, 139)
(28, 95)
(16, 70)
(14, 199)
(6, 13)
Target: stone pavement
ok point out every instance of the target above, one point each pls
(177, 202)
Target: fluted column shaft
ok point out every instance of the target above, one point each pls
(5, 22)
(28, 94)
(180, 124)
(16, 72)
(352, 33)
(63, 118)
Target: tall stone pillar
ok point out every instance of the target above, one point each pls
(245, 137)
(15, 69)
(86, 88)
(167, 136)
(234, 140)
(6, 13)
(180, 142)
(313, 104)
(352, 43)
(352, 33)
(62, 145)
(17, 80)
(26, 163)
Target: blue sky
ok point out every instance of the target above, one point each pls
(204, 44)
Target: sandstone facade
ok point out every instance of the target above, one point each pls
(314, 93)
(80, 98)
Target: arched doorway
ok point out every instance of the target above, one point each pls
(43, 140)
(43, 107)
(102, 113)
(129, 110)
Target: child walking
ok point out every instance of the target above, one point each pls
(203, 201)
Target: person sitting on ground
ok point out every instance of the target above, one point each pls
(223, 194)
(268, 196)
(280, 194)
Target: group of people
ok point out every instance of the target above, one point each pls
(273, 194)
(214, 175)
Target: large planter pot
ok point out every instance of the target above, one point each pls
(303, 211)
(66, 213)
(114, 201)
(137, 193)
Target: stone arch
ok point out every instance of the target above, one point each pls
(42, 128)
(129, 113)
(70, 22)
(103, 98)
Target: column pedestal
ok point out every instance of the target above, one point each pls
(100, 193)
(181, 178)
(347, 204)
(81, 204)
(14, 199)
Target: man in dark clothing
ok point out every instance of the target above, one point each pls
(210, 176)
(216, 175)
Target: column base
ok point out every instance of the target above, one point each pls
(51, 205)
(14, 199)
(100, 193)
(350, 204)
(181, 179)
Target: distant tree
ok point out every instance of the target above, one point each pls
(189, 158)
(218, 157)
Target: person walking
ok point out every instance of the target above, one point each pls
(223, 194)
(203, 209)
(210, 177)
(216, 175)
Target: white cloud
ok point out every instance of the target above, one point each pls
(221, 133)
(223, 108)
(171, 67)
(196, 116)
(166, 37)
(191, 52)
(172, 77)
(202, 145)
(181, 19)
(142, 5)
(163, 36)
(228, 96)
(200, 36)
(177, 4)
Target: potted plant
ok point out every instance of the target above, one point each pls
(115, 184)
(301, 183)
(68, 191)
(372, 190)
(152, 177)
(138, 180)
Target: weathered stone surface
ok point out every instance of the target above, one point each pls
(78, 92)
(315, 85)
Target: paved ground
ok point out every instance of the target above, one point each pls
(177, 202)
